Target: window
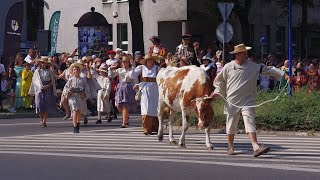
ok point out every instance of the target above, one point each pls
(122, 36)
(110, 37)
(107, 1)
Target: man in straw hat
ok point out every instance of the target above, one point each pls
(238, 84)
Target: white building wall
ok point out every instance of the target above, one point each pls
(152, 12)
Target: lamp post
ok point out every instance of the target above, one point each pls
(290, 48)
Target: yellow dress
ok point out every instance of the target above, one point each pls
(25, 86)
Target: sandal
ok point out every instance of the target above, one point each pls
(123, 126)
(230, 152)
(260, 151)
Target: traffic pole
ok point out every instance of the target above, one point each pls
(290, 48)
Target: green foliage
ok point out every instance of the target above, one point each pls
(298, 113)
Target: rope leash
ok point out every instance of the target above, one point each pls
(258, 105)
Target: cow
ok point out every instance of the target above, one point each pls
(186, 89)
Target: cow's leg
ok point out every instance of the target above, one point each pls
(170, 122)
(208, 142)
(161, 107)
(182, 141)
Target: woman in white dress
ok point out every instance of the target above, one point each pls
(150, 93)
(103, 103)
(77, 91)
(125, 94)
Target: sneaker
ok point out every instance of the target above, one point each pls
(98, 122)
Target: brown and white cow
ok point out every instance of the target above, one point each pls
(186, 90)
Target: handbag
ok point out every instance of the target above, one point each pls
(138, 94)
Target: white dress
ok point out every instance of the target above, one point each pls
(77, 103)
(150, 91)
(103, 103)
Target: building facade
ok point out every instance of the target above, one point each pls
(165, 17)
(168, 19)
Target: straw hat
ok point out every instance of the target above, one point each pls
(125, 59)
(70, 60)
(102, 69)
(80, 61)
(44, 59)
(240, 48)
(80, 66)
(150, 57)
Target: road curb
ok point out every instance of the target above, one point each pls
(26, 115)
(259, 132)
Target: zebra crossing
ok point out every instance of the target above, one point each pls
(287, 153)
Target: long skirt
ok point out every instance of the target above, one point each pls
(125, 96)
(150, 124)
(45, 100)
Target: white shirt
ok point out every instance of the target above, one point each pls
(109, 62)
(155, 50)
(28, 59)
(238, 83)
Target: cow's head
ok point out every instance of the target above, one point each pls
(203, 109)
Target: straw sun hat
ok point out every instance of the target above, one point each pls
(80, 66)
(240, 48)
(44, 59)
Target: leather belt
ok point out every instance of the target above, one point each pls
(148, 79)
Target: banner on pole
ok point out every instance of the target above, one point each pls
(54, 28)
(13, 30)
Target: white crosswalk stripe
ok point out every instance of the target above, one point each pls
(288, 153)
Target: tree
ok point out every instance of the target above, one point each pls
(137, 26)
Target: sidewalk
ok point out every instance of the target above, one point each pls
(24, 114)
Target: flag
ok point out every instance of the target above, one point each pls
(54, 27)
(13, 30)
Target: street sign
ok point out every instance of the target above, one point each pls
(225, 9)
(224, 32)
(263, 39)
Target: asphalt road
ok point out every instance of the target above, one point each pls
(108, 152)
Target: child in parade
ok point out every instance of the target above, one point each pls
(125, 94)
(27, 75)
(103, 103)
(77, 91)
